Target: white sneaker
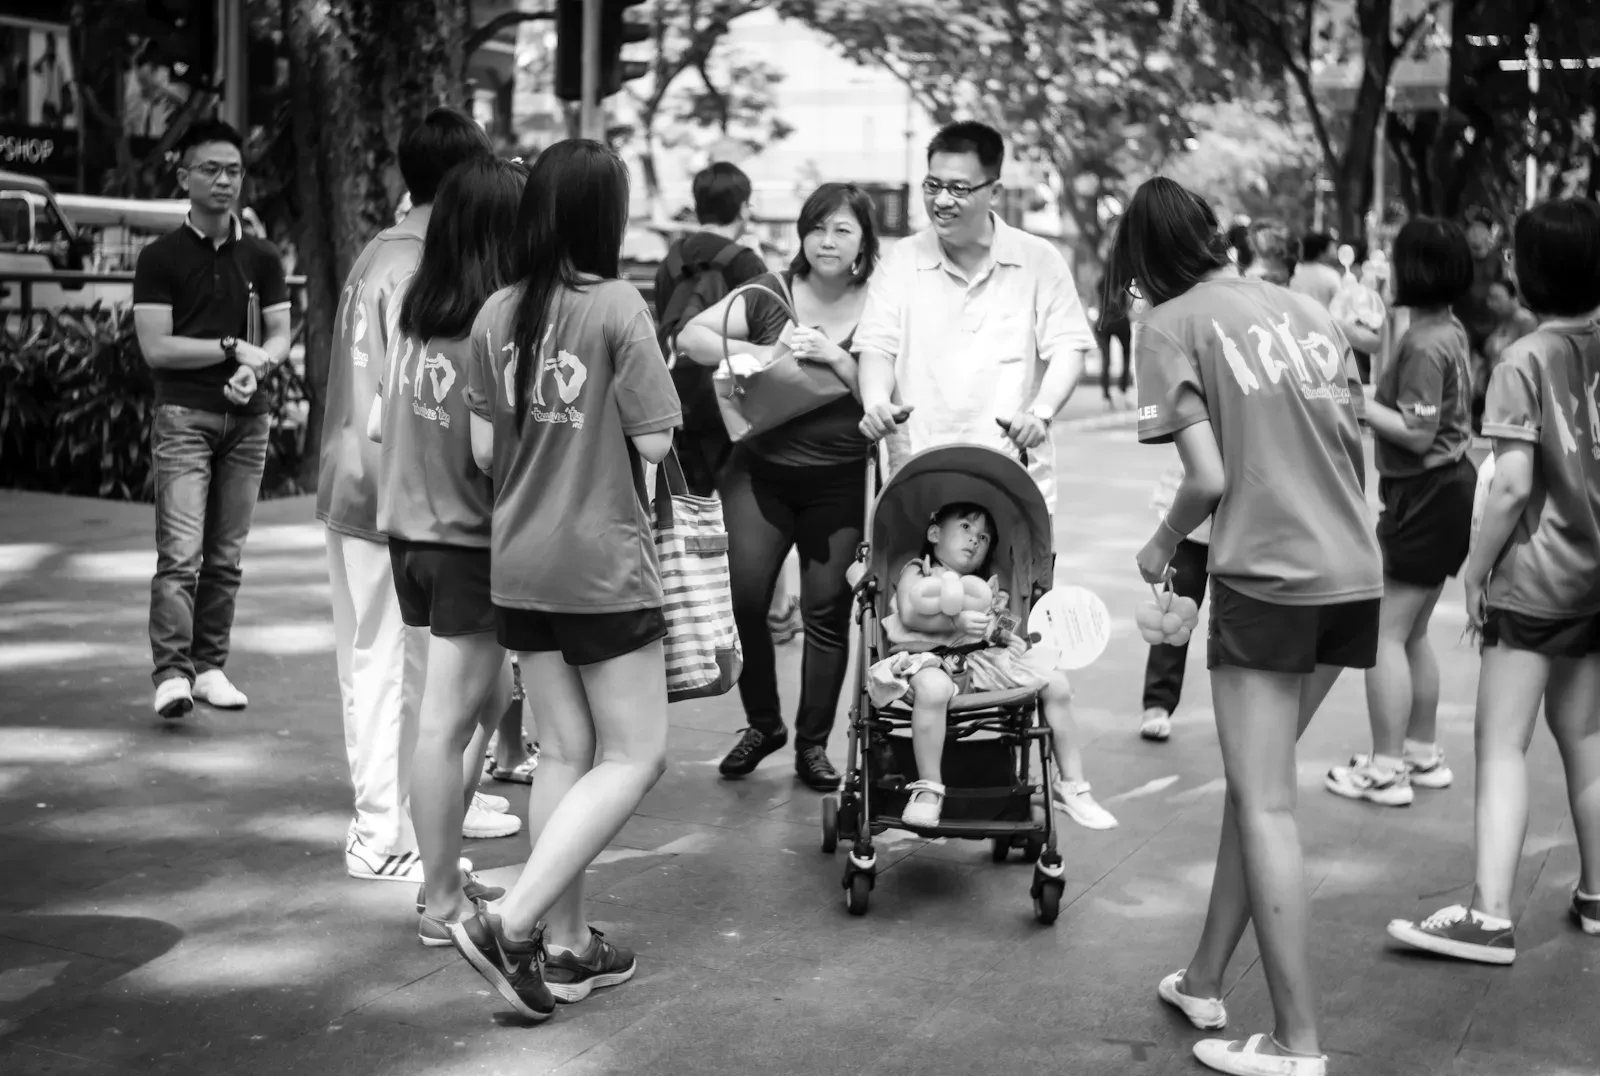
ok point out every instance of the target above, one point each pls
(1157, 725)
(1246, 1059)
(1207, 1014)
(174, 698)
(1361, 780)
(493, 804)
(1432, 774)
(481, 825)
(1073, 798)
(215, 689)
(360, 861)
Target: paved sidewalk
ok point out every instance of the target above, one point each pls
(172, 900)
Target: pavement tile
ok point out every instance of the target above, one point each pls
(27, 1060)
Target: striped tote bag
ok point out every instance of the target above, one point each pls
(703, 653)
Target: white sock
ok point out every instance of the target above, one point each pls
(1586, 896)
(1493, 922)
(1421, 752)
(1387, 763)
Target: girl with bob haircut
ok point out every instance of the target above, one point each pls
(435, 505)
(1258, 388)
(802, 485)
(1533, 583)
(1421, 420)
(569, 392)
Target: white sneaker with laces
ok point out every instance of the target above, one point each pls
(1207, 1014)
(481, 825)
(1073, 798)
(491, 803)
(1157, 725)
(174, 699)
(213, 688)
(1430, 774)
(1362, 780)
(361, 861)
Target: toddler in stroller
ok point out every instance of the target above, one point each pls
(950, 634)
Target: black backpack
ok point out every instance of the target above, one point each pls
(699, 286)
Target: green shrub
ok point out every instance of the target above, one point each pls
(76, 400)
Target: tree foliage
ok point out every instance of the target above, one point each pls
(1100, 90)
(1248, 157)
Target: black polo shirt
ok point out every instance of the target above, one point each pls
(207, 287)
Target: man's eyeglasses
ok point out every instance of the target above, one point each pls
(212, 172)
(958, 190)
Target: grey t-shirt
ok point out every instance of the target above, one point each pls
(347, 479)
(1273, 375)
(1430, 384)
(430, 489)
(1546, 391)
(570, 534)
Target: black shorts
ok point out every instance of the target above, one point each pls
(1575, 637)
(1426, 523)
(582, 638)
(1248, 633)
(444, 588)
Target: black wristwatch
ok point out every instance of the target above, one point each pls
(230, 347)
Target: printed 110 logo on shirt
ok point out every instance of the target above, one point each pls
(1314, 361)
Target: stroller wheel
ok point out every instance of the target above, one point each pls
(1047, 905)
(858, 894)
(830, 824)
(1000, 849)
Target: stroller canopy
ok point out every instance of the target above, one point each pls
(939, 476)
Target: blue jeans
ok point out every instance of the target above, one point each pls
(208, 473)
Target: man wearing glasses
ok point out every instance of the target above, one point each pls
(973, 331)
(202, 295)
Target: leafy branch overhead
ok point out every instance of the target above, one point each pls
(1098, 89)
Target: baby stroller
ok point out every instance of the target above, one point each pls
(993, 790)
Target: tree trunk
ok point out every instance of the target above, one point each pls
(361, 73)
(1353, 179)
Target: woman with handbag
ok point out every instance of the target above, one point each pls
(802, 483)
(568, 390)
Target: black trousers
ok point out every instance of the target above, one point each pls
(770, 508)
(1124, 334)
(1163, 670)
(702, 454)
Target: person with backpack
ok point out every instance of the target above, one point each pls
(698, 272)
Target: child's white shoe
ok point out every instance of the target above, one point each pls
(1073, 798)
(925, 804)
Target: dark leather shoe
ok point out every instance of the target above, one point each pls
(753, 746)
(811, 765)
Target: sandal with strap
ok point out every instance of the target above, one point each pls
(923, 813)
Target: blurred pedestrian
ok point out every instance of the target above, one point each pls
(434, 507)
(699, 270)
(1250, 380)
(1512, 322)
(801, 485)
(1164, 666)
(380, 661)
(1117, 329)
(1269, 245)
(1533, 585)
(1421, 425)
(195, 291)
(569, 393)
(1317, 273)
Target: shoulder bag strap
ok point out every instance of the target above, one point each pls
(754, 285)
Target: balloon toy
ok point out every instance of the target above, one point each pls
(1168, 620)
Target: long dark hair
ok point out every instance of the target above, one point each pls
(1167, 242)
(574, 212)
(468, 253)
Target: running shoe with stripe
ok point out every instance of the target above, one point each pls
(514, 969)
(1432, 774)
(573, 977)
(1459, 932)
(1585, 912)
(1361, 780)
(361, 861)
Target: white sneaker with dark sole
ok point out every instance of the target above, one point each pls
(174, 698)
(1156, 725)
(1459, 932)
(1207, 1014)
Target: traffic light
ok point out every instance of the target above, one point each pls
(616, 30)
(185, 35)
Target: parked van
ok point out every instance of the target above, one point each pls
(119, 228)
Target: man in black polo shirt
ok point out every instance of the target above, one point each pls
(193, 293)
